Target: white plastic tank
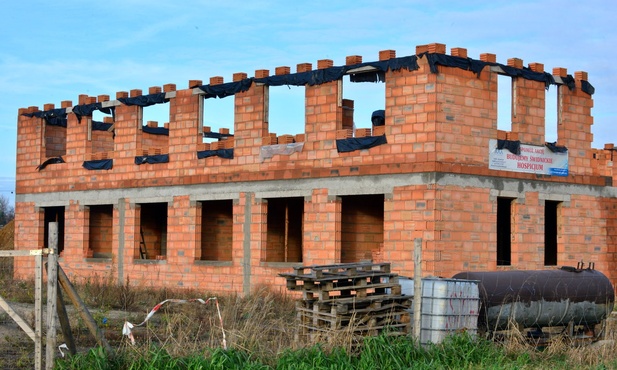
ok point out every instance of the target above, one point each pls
(448, 306)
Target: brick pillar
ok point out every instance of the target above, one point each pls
(322, 229)
(77, 143)
(181, 232)
(528, 232)
(184, 131)
(30, 146)
(529, 107)
(461, 122)
(28, 236)
(250, 124)
(405, 220)
(574, 128)
(323, 109)
(127, 143)
(323, 113)
(76, 233)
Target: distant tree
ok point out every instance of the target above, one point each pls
(7, 212)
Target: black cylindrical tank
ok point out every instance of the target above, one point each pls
(542, 298)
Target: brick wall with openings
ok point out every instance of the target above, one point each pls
(433, 175)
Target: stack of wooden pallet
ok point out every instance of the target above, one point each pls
(364, 298)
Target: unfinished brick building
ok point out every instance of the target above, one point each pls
(180, 204)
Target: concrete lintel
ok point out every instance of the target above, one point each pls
(554, 197)
(506, 194)
(352, 185)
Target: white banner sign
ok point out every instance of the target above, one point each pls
(533, 159)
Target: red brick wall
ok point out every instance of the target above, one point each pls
(55, 141)
(437, 124)
(216, 231)
(101, 229)
(102, 142)
(362, 224)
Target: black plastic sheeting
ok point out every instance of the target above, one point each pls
(320, 76)
(553, 147)
(378, 118)
(155, 130)
(87, 109)
(476, 67)
(312, 78)
(216, 135)
(223, 153)
(49, 161)
(587, 87)
(99, 164)
(226, 89)
(569, 81)
(101, 126)
(145, 100)
(152, 159)
(513, 146)
(53, 117)
(357, 143)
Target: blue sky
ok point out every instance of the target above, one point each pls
(54, 51)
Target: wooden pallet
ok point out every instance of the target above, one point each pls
(295, 282)
(365, 306)
(321, 321)
(362, 298)
(340, 270)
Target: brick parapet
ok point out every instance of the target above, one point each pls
(445, 118)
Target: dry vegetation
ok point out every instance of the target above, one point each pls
(261, 333)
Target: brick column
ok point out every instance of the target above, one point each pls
(184, 132)
(181, 244)
(127, 142)
(323, 113)
(77, 143)
(322, 229)
(250, 124)
(30, 147)
(529, 106)
(574, 127)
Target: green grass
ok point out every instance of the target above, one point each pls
(461, 351)
(261, 331)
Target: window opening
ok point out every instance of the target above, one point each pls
(101, 136)
(362, 222)
(218, 123)
(505, 90)
(155, 130)
(156, 114)
(504, 231)
(54, 214)
(285, 229)
(216, 230)
(550, 232)
(152, 233)
(286, 113)
(364, 107)
(101, 231)
(551, 114)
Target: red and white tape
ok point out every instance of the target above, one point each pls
(126, 329)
